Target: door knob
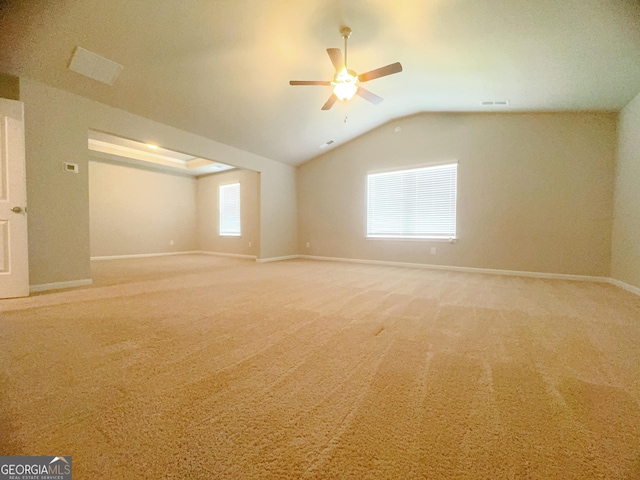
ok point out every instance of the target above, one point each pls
(16, 210)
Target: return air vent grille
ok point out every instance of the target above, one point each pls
(94, 66)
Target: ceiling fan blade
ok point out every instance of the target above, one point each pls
(330, 102)
(309, 82)
(335, 54)
(369, 96)
(380, 72)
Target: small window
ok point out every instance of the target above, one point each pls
(230, 210)
(416, 203)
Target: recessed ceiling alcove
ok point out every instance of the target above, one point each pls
(150, 155)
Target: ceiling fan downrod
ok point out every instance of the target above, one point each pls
(346, 33)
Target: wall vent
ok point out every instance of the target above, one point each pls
(94, 66)
(494, 103)
(326, 144)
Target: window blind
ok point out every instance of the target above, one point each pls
(416, 203)
(230, 210)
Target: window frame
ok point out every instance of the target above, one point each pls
(405, 237)
(229, 233)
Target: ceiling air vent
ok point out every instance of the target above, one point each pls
(326, 144)
(494, 103)
(94, 66)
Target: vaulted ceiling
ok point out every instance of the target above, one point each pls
(220, 68)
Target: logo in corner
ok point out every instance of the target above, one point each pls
(36, 468)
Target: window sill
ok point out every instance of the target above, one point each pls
(414, 239)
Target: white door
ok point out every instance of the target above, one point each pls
(14, 264)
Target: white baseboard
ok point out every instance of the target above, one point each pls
(625, 286)
(222, 254)
(193, 252)
(59, 285)
(277, 259)
(489, 271)
(141, 255)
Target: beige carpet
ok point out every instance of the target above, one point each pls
(196, 367)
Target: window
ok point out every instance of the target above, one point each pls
(416, 203)
(230, 210)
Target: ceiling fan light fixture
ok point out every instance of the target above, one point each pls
(345, 91)
(345, 84)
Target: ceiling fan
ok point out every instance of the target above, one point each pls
(346, 83)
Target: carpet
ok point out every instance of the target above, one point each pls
(200, 367)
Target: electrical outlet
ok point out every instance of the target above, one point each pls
(249, 244)
(171, 242)
(308, 245)
(433, 250)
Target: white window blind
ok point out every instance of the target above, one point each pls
(416, 203)
(230, 210)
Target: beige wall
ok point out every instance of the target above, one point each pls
(278, 211)
(535, 191)
(139, 211)
(56, 132)
(209, 238)
(56, 126)
(625, 262)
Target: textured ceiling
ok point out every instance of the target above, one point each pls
(220, 68)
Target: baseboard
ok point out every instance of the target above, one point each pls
(278, 259)
(193, 252)
(59, 285)
(624, 286)
(489, 271)
(223, 254)
(141, 255)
